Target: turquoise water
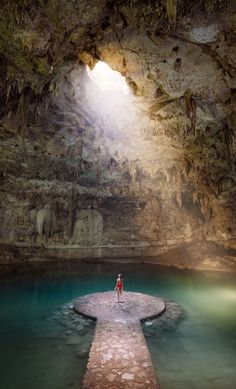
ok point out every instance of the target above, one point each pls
(35, 352)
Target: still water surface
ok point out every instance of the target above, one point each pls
(34, 351)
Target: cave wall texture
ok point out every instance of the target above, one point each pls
(155, 178)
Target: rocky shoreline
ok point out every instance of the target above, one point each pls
(198, 255)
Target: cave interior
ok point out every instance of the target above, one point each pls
(117, 126)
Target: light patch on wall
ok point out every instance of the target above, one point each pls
(108, 79)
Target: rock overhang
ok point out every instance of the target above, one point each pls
(181, 151)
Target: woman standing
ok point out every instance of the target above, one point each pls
(119, 287)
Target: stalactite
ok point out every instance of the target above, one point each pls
(25, 112)
(195, 198)
(206, 207)
(191, 109)
(228, 136)
(186, 165)
(71, 209)
(179, 198)
(19, 107)
(36, 108)
(9, 87)
(171, 7)
(22, 111)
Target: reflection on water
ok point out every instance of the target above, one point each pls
(35, 352)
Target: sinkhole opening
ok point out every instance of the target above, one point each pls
(111, 103)
(107, 79)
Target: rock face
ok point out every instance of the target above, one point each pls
(89, 172)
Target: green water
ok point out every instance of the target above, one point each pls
(200, 353)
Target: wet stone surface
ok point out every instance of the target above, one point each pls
(104, 306)
(119, 357)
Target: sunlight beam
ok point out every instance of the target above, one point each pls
(108, 79)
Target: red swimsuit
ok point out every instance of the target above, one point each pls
(119, 284)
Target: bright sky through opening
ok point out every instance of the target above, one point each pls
(108, 79)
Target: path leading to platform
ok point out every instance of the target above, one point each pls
(119, 357)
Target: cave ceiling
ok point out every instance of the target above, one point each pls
(166, 149)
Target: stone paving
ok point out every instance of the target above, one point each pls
(119, 357)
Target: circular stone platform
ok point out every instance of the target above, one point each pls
(104, 306)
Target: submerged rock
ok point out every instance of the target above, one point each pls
(74, 339)
(168, 321)
(82, 353)
(148, 323)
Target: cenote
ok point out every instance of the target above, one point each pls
(199, 352)
(117, 155)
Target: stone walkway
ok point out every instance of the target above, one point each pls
(119, 357)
